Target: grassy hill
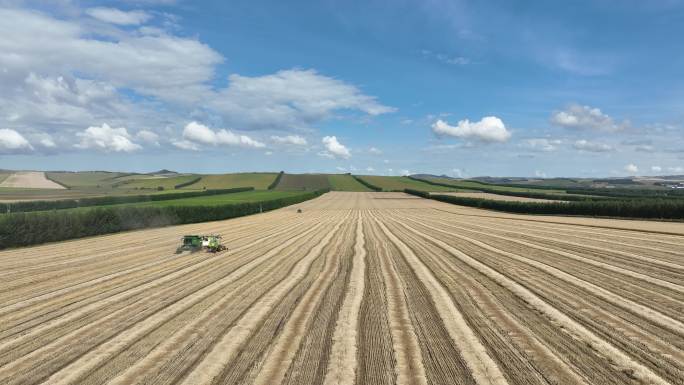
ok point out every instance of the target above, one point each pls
(301, 182)
(155, 182)
(399, 183)
(259, 181)
(345, 182)
(101, 179)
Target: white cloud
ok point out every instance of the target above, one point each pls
(370, 169)
(166, 66)
(199, 133)
(335, 148)
(489, 129)
(539, 174)
(44, 140)
(290, 139)
(677, 170)
(405, 172)
(644, 148)
(185, 145)
(585, 117)
(107, 139)
(289, 98)
(632, 168)
(543, 144)
(656, 168)
(148, 136)
(13, 142)
(117, 16)
(584, 145)
(375, 151)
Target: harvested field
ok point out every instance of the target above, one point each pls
(360, 288)
(496, 197)
(30, 179)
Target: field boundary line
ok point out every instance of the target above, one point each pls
(650, 314)
(225, 350)
(579, 258)
(409, 367)
(482, 366)
(85, 364)
(571, 224)
(343, 363)
(608, 350)
(281, 353)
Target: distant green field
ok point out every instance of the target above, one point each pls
(401, 182)
(345, 182)
(465, 184)
(154, 183)
(85, 179)
(212, 200)
(303, 182)
(259, 181)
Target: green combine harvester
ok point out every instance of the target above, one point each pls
(193, 243)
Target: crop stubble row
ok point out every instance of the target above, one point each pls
(365, 288)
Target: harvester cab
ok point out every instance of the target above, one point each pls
(190, 243)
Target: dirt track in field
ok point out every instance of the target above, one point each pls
(361, 288)
(30, 179)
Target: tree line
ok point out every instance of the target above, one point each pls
(188, 183)
(651, 208)
(26, 206)
(522, 194)
(275, 183)
(366, 183)
(31, 228)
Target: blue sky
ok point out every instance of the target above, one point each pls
(464, 88)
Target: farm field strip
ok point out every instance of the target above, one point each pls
(359, 288)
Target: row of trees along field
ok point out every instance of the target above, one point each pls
(275, 182)
(188, 183)
(367, 184)
(30, 228)
(645, 208)
(26, 206)
(487, 188)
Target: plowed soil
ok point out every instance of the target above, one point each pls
(359, 288)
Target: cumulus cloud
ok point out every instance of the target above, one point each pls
(584, 145)
(375, 151)
(148, 136)
(13, 142)
(290, 139)
(166, 66)
(199, 133)
(677, 170)
(117, 16)
(656, 168)
(334, 149)
(107, 139)
(632, 168)
(542, 144)
(185, 145)
(489, 129)
(539, 174)
(289, 98)
(62, 74)
(584, 117)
